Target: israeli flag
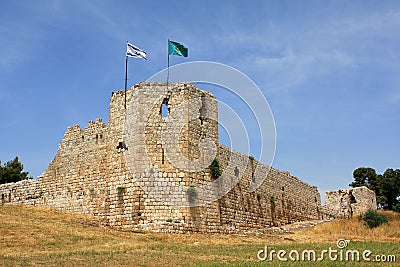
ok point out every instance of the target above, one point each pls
(133, 51)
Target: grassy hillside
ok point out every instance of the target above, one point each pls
(44, 237)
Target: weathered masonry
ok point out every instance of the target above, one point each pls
(150, 169)
(349, 202)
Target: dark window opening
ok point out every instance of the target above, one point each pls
(253, 178)
(121, 145)
(202, 109)
(162, 156)
(352, 199)
(283, 188)
(83, 137)
(236, 171)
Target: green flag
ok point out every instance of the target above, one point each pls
(178, 49)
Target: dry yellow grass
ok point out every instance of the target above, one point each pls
(354, 230)
(39, 236)
(33, 235)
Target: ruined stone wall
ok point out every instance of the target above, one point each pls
(24, 192)
(73, 179)
(349, 202)
(136, 172)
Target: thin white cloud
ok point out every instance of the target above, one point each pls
(21, 38)
(331, 40)
(334, 43)
(18, 42)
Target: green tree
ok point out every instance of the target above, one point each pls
(389, 186)
(364, 176)
(12, 171)
(386, 185)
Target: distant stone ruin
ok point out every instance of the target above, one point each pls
(349, 202)
(149, 169)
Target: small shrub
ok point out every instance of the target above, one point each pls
(121, 189)
(192, 194)
(396, 207)
(215, 169)
(373, 219)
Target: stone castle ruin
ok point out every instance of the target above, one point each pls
(150, 169)
(349, 202)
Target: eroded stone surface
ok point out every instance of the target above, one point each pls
(349, 202)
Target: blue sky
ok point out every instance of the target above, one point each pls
(330, 71)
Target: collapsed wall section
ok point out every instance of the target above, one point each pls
(24, 192)
(74, 179)
(349, 202)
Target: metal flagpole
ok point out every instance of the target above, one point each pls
(126, 78)
(168, 67)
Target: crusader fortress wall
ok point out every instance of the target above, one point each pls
(349, 202)
(149, 169)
